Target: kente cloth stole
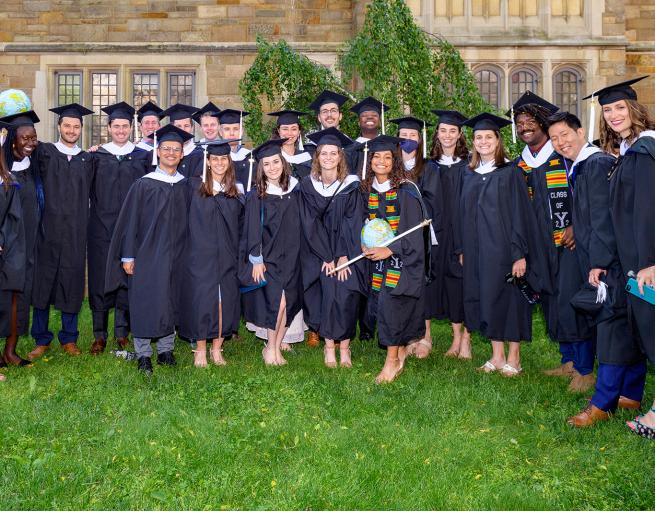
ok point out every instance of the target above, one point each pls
(386, 272)
(559, 197)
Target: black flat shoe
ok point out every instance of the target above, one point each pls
(22, 363)
(166, 359)
(145, 365)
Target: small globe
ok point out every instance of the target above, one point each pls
(376, 232)
(13, 101)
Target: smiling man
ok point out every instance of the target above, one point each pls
(148, 117)
(545, 172)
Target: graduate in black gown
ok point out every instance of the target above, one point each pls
(497, 233)
(59, 269)
(148, 119)
(12, 262)
(288, 127)
(231, 128)
(209, 300)
(207, 119)
(270, 249)
(116, 166)
(621, 366)
(147, 248)
(414, 154)
(626, 122)
(552, 202)
(440, 184)
(332, 216)
(396, 272)
(17, 153)
(327, 107)
(181, 116)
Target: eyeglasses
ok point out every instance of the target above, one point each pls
(333, 111)
(167, 149)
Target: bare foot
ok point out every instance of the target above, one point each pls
(330, 357)
(423, 348)
(465, 349)
(200, 358)
(2, 377)
(217, 357)
(268, 354)
(344, 355)
(285, 346)
(279, 359)
(390, 371)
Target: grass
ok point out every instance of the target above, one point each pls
(92, 434)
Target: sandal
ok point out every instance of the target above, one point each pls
(509, 371)
(488, 367)
(330, 358)
(217, 359)
(641, 429)
(348, 362)
(196, 359)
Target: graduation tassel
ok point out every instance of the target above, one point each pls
(425, 141)
(365, 160)
(383, 130)
(241, 124)
(592, 119)
(154, 148)
(204, 164)
(251, 160)
(136, 128)
(513, 127)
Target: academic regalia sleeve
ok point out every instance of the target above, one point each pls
(644, 203)
(12, 242)
(518, 237)
(251, 237)
(349, 240)
(602, 243)
(314, 231)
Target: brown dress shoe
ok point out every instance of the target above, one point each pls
(98, 346)
(313, 339)
(37, 352)
(588, 417)
(122, 342)
(581, 383)
(563, 371)
(629, 404)
(71, 349)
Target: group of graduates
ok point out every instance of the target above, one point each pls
(186, 238)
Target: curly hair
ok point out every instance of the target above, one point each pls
(260, 179)
(461, 149)
(538, 113)
(641, 121)
(342, 167)
(396, 177)
(229, 181)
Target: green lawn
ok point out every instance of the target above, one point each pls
(93, 434)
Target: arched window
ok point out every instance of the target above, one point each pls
(566, 89)
(489, 82)
(523, 79)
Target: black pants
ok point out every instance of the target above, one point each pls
(121, 323)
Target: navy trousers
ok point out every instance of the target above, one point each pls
(43, 336)
(614, 381)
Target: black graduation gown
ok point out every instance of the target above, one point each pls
(13, 256)
(355, 158)
(242, 170)
(30, 214)
(61, 241)
(563, 322)
(497, 228)
(191, 164)
(332, 229)
(278, 239)
(633, 216)
(113, 177)
(301, 170)
(397, 284)
(151, 228)
(211, 256)
(596, 248)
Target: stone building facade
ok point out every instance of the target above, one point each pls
(98, 52)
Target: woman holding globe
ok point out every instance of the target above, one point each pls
(397, 271)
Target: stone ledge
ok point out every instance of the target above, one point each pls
(492, 42)
(641, 46)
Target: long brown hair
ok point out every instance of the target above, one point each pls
(641, 121)
(419, 161)
(229, 181)
(275, 135)
(396, 177)
(260, 179)
(342, 166)
(5, 175)
(500, 155)
(461, 149)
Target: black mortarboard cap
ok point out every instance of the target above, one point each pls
(73, 110)
(327, 96)
(287, 116)
(585, 301)
(119, 111)
(383, 143)
(148, 109)
(487, 121)
(269, 148)
(178, 111)
(451, 117)
(210, 108)
(369, 104)
(173, 134)
(231, 116)
(530, 98)
(219, 147)
(331, 136)
(616, 92)
(28, 118)
(411, 123)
